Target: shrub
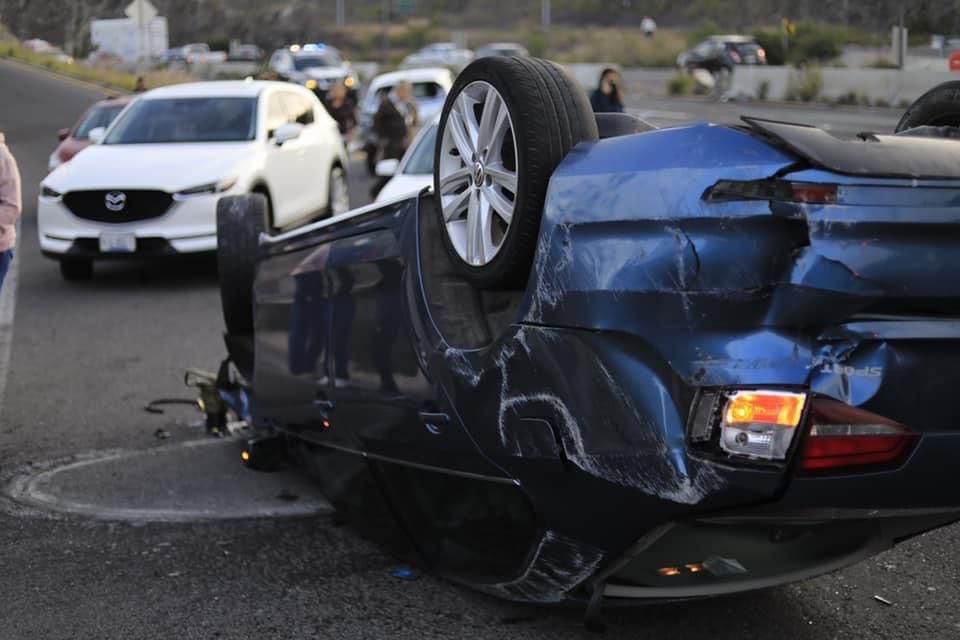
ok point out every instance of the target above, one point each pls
(703, 30)
(882, 63)
(763, 89)
(805, 86)
(538, 43)
(680, 84)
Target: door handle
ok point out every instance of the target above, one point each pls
(434, 417)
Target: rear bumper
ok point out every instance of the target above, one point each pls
(754, 550)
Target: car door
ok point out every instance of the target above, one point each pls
(319, 141)
(280, 164)
(381, 392)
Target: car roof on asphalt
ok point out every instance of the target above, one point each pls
(216, 88)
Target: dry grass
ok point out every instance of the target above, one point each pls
(619, 45)
(106, 77)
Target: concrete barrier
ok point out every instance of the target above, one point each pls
(892, 85)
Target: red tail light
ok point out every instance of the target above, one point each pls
(761, 54)
(844, 438)
(780, 190)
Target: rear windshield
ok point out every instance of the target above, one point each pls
(420, 91)
(186, 120)
(96, 117)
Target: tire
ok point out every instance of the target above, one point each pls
(936, 108)
(240, 221)
(338, 192)
(547, 114)
(76, 269)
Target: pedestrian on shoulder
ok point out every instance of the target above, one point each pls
(10, 205)
(608, 96)
(342, 109)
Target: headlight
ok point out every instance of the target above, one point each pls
(349, 82)
(310, 84)
(47, 192)
(211, 187)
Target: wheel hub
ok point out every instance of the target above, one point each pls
(479, 175)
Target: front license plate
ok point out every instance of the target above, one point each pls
(118, 243)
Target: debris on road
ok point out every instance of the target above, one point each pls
(405, 573)
(161, 434)
(883, 600)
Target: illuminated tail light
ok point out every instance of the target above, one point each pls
(844, 438)
(779, 190)
(761, 54)
(761, 423)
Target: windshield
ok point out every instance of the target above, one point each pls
(186, 120)
(309, 62)
(96, 117)
(420, 160)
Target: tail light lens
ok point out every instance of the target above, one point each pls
(761, 54)
(844, 438)
(760, 423)
(779, 190)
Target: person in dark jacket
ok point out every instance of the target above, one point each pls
(608, 97)
(394, 123)
(342, 109)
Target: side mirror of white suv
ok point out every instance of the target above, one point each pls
(96, 135)
(287, 132)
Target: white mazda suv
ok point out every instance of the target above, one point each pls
(149, 186)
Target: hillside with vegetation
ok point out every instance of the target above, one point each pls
(582, 29)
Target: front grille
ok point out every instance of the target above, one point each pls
(131, 204)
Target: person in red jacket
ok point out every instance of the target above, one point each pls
(10, 205)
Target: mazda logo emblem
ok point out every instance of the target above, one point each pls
(115, 200)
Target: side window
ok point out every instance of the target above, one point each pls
(299, 107)
(276, 113)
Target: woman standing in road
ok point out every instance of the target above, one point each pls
(9, 206)
(607, 97)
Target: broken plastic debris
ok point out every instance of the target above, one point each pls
(883, 600)
(404, 573)
(161, 434)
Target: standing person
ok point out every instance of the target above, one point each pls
(141, 85)
(342, 109)
(394, 124)
(10, 205)
(607, 97)
(649, 26)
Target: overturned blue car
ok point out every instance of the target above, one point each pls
(602, 361)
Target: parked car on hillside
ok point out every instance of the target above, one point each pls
(446, 54)
(659, 365)
(722, 53)
(77, 137)
(315, 66)
(150, 187)
(429, 88)
(502, 49)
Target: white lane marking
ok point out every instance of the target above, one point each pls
(8, 303)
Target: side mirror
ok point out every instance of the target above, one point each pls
(62, 134)
(96, 135)
(287, 132)
(387, 168)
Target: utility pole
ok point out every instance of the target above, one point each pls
(901, 38)
(341, 14)
(545, 13)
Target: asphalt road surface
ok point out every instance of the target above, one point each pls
(86, 357)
